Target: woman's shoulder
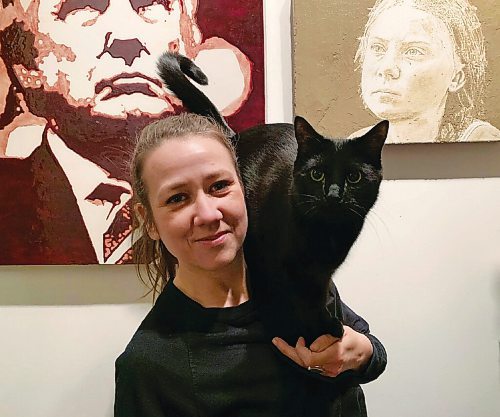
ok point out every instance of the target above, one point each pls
(150, 350)
(155, 334)
(480, 131)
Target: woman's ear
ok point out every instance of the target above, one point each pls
(457, 81)
(141, 212)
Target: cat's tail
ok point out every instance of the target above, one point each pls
(174, 69)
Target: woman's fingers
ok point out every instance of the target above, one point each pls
(328, 357)
(303, 352)
(288, 350)
(323, 342)
(300, 354)
(329, 353)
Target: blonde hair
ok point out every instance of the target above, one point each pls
(155, 264)
(464, 27)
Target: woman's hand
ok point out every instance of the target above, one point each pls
(331, 354)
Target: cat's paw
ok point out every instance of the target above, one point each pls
(336, 328)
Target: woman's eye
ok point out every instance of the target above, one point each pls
(414, 52)
(176, 199)
(378, 48)
(220, 186)
(354, 177)
(317, 175)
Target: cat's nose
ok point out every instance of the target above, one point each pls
(334, 191)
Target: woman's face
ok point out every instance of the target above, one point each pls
(409, 64)
(197, 202)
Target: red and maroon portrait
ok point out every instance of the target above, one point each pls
(77, 81)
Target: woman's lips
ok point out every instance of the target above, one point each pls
(213, 240)
(386, 91)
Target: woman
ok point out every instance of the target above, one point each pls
(423, 67)
(202, 349)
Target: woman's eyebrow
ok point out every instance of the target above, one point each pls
(216, 174)
(69, 6)
(416, 43)
(179, 184)
(378, 39)
(173, 186)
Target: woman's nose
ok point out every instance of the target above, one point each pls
(207, 210)
(389, 66)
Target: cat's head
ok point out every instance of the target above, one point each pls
(337, 180)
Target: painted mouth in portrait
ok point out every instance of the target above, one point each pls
(129, 83)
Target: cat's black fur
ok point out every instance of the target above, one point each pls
(307, 199)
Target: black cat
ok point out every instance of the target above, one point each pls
(307, 199)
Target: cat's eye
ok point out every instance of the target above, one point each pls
(354, 177)
(317, 175)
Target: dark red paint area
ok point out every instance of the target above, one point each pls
(127, 49)
(242, 24)
(69, 6)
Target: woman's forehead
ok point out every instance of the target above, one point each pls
(408, 24)
(182, 155)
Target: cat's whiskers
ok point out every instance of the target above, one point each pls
(369, 221)
(311, 196)
(380, 219)
(355, 212)
(308, 211)
(373, 214)
(309, 200)
(363, 210)
(363, 215)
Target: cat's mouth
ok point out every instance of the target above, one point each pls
(129, 83)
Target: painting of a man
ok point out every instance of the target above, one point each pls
(77, 80)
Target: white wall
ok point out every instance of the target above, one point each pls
(425, 273)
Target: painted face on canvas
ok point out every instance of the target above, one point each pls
(409, 65)
(101, 53)
(197, 202)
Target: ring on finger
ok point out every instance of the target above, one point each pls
(316, 369)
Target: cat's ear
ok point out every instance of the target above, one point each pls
(304, 133)
(373, 140)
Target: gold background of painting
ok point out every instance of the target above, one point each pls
(326, 83)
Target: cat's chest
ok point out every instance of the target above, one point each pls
(319, 245)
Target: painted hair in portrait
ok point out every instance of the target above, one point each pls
(77, 81)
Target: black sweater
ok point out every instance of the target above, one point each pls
(187, 360)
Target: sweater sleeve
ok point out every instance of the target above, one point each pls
(134, 391)
(152, 378)
(378, 361)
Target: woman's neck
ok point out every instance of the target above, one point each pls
(422, 128)
(222, 288)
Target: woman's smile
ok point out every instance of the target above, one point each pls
(213, 240)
